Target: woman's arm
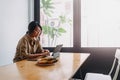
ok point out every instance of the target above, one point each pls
(43, 53)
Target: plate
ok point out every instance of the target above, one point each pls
(46, 62)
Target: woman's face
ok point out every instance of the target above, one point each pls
(37, 31)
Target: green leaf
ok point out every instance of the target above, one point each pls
(61, 30)
(47, 6)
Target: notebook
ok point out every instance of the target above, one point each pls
(56, 51)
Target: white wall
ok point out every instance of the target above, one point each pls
(13, 25)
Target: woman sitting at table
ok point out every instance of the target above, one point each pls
(29, 45)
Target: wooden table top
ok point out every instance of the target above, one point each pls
(64, 69)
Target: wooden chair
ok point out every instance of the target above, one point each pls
(100, 76)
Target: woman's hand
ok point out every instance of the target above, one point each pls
(45, 52)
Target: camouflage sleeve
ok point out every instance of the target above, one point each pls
(21, 50)
(24, 49)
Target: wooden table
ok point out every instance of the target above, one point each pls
(64, 69)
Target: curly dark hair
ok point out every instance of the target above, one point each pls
(32, 25)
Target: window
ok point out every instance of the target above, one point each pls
(56, 19)
(100, 23)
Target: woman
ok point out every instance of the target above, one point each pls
(29, 45)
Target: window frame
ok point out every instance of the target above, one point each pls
(76, 30)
